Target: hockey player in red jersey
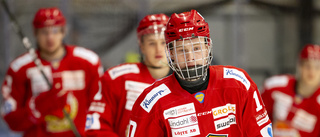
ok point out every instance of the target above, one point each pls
(30, 105)
(293, 102)
(198, 100)
(122, 84)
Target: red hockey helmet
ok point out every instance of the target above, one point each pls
(154, 23)
(48, 17)
(188, 35)
(186, 24)
(310, 51)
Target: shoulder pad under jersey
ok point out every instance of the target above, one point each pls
(20, 62)
(86, 54)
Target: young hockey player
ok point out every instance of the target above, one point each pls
(122, 84)
(30, 104)
(198, 100)
(293, 102)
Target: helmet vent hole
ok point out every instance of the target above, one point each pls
(172, 34)
(185, 22)
(198, 20)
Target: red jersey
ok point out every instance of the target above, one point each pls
(292, 115)
(78, 73)
(121, 86)
(231, 107)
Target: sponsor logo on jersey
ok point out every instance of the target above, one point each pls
(153, 96)
(73, 80)
(304, 121)
(225, 122)
(92, 121)
(134, 89)
(223, 110)
(267, 131)
(37, 81)
(179, 110)
(238, 75)
(183, 121)
(86, 54)
(263, 118)
(186, 131)
(261, 115)
(122, 70)
(97, 107)
(186, 29)
(204, 113)
(199, 96)
(216, 135)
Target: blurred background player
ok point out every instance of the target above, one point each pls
(30, 105)
(293, 102)
(122, 84)
(199, 99)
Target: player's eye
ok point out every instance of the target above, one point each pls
(197, 48)
(163, 43)
(152, 43)
(180, 50)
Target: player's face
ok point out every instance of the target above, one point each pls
(153, 49)
(310, 72)
(190, 52)
(50, 38)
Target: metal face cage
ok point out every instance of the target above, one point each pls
(190, 57)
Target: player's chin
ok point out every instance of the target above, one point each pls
(191, 66)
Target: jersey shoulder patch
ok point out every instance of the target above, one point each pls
(21, 61)
(237, 75)
(153, 96)
(122, 70)
(277, 81)
(86, 54)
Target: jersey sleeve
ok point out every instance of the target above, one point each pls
(254, 114)
(102, 111)
(143, 123)
(14, 108)
(268, 101)
(94, 82)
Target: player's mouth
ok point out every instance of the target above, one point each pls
(159, 57)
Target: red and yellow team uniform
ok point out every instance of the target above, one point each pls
(77, 73)
(121, 86)
(291, 115)
(231, 107)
